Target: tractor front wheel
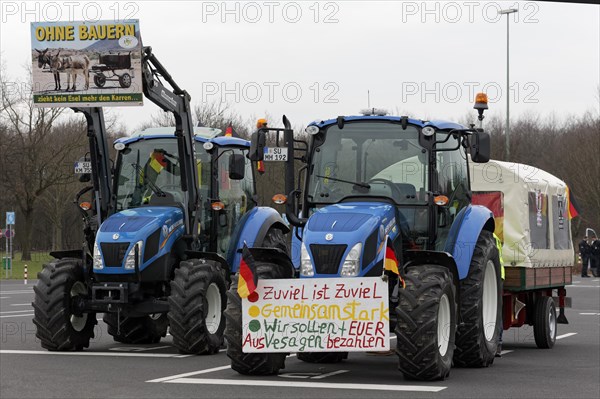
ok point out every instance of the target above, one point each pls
(197, 300)
(426, 323)
(59, 326)
(481, 307)
(251, 363)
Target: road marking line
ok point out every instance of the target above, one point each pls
(136, 349)
(565, 335)
(506, 351)
(17, 292)
(17, 315)
(20, 304)
(114, 354)
(299, 384)
(590, 314)
(318, 377)
(173, 377)
(4, 297)
(16, 311)
(584, 286)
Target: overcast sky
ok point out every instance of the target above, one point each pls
(316, 60)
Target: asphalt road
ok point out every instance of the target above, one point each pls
(108, 369)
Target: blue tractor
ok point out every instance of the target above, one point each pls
(374, 179)
(163, 234)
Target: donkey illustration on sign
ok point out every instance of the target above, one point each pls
(72, 65)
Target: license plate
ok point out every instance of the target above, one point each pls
(279, 154)
(83, 167)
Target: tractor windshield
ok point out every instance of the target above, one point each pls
(149, 171)
(364, 159)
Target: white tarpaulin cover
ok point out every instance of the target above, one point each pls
(530, 208)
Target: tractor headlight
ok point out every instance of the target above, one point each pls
(130, 259)
(351, 263)
(98, 264)
(306, 266)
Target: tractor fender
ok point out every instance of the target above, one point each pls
(252, 230)
(464, 234)
(439, 258)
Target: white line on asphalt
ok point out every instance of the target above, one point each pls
(20, 304)
(298, 384)
(173, 377)
(590, 314)
(318, 377)
(17, 315)
(565, 335)
(137, 349)
(115, 354)
(584, 286)
(15, 311)
(16, 292)
(506, 351)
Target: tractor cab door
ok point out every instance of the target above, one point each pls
(453, 182)
(236, 194)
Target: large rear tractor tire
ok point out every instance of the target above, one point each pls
(137, 330)
(197, 300)
(544, 327)
(251, 363)
(60, 284)
(481, 307)
(426, 323)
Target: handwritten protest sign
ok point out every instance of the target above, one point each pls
(317, 315)
(86, 63)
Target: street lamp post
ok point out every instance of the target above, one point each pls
(507, 12)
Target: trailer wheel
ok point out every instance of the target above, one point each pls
(481, 307)
(544, 327)
(59, 286)
(426, 323)
(100, 80)
(251, 363)
(125, 80)
(322, 357)
(137, 330)
(196, 307)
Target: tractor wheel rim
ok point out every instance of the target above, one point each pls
(490, 300)
(443, 325)
(212, 316)
(78, 322)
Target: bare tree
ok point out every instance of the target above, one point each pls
(33, 149)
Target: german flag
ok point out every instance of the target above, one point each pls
(390, 261)
(157, 161)
(229, 132)
(248, 277)
(573, 209)
(260, 167)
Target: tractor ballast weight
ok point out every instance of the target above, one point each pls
(373, 178)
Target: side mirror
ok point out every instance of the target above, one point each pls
(257, 145)
(480, 147)
(237, 166)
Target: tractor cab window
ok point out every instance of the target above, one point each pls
(369, 159)
(148, 169)
(237, 196)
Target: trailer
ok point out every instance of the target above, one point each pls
(107, 67)
(531, 213)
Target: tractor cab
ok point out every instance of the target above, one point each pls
(149, 200)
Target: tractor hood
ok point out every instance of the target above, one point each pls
(333, 231)
(153, 226)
